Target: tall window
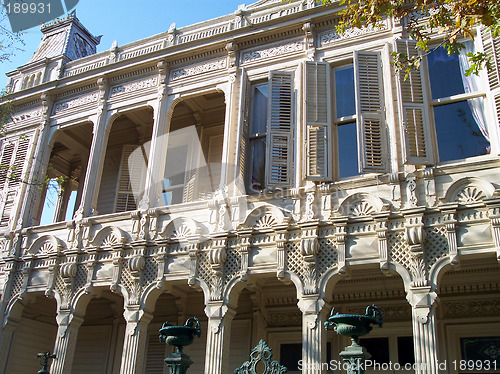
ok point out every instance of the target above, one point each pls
(358, 118)
(457, 102)
(345, 121)
(257, 137)
(269, 133)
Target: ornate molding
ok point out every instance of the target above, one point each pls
(277, 50)
(284, 318)
(76, 102)
(489, 307)
(133, 86)
(198, 69)
(331, 36)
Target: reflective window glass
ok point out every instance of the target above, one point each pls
(259, 114)
(344, 92)
(347, 149)
(458, 134)
(444, 74)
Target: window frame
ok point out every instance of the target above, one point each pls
(280, 130)
(251, 138)
(344, 120)
(370, 108)
(457, 98)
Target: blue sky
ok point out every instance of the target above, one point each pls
(128, 20)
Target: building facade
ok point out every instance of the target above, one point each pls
(254, 170)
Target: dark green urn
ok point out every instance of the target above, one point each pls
(179, 336)
(355, 325)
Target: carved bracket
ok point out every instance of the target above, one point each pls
(450, 221)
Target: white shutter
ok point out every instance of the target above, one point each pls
(155, 354)
(372, 143)
(5, 161)
(191, 171)
(214, 161)
(245, 93)
(411, 94)
(130, 178)
(317, 114)
(491, 47)
(14, 161)
(279, 155)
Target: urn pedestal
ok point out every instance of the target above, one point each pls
(354, 326)
(179, 336)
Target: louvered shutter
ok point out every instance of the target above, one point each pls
(245, 93)
(155, 354)
(130, 178)
(492, 48)
(5, 161)
(317, 114)
(191, 174)
(14, 161)
(279, 155)
(372, 143)
(411, 93)
(214, 161)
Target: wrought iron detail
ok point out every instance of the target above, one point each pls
(261, 353)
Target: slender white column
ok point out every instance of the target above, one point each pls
(313, 333)
(159, 141)
(65, 345)
(134, 345)
(95, 163)
(424, 329)
(218, 337)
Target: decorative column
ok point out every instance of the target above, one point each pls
(40, 151)
(96, 157)
(65, 344)
(220, 317)
(156, 165)
(313, 334)
(135, 341)
(422, 301)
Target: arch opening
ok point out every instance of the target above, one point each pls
(38, 327)
(193, 164)
(66, 168)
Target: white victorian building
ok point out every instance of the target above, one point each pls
(254, 171)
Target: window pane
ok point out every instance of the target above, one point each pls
(457, 132)
(70, 210)
(49, 206)
(259, 114)
(290, 354)
(481, 350)
(175, 169)
(406, 353)
(258, 148)
(378, 348)
(344, 92)
(348, 150)
(444, 73)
